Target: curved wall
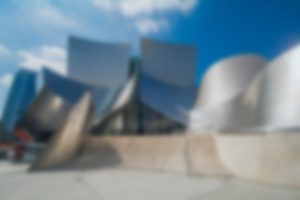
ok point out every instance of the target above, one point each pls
(172, 64)
(278, 97)
(95, 63)
(52, 104)
(67, 141)
(46, 114)
(220, 104)
(67, 88)
(167, 82)
(270, 103)
(114, 101)
(227, 78)
(171, 101)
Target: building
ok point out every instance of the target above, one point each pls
(167, 85)
(21, 95)
(100, 68)
(130, 95)
(224, 80)
(157, 92)
(268, 102)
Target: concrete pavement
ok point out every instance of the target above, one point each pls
(113, 184)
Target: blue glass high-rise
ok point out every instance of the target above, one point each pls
(20, 96)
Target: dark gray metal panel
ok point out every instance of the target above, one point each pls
(171, 64)
(98, 64)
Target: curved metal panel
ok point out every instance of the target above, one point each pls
(171, 64)
(167, 82)
(126, 94)
(46, 113)
(270, 103)
(221, 105)
(67, 141)
(173, 102)
(59, 94)
(69, 89)
(51, 106)
(236, 115)
(278, 99)
(227, 78)
(98, 64)
(114, 101)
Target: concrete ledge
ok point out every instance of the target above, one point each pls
(268, 158)
(186, 154)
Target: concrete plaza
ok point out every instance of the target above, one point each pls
(115, 184)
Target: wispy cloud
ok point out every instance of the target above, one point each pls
(53, 15)
(139, 7)
(148, 25)
(52, 57)
(143, 11)
(6, 79)
(4, 51)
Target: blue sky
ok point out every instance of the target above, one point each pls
(34, 32)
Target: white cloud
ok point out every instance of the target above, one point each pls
(142, 11)
(148, 25)
(140, 7)
(51, 14)
(4, 51)
(51, 57)
(6, 80)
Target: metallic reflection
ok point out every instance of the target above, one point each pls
(66, 142)
(168, 78)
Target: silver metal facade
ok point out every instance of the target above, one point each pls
(228, 77)
(66, 142)
(270, 103)
(239, 93)
(277, 93)
(98, 64)
(172, 64)
(46, 114)
(167, 82)
(219, 102)
(171, 101)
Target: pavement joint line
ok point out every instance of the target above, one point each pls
(81, 180)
